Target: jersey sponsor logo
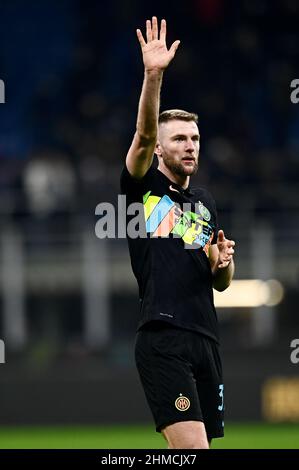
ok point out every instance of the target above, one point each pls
(163, 218)
(182, 403)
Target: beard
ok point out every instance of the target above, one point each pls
(179, 168)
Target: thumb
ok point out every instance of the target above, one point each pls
(221, 236)
(174, 47)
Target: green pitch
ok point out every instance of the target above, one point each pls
(237, 436)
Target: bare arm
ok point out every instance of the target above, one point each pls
(222, 263)
(156, 57)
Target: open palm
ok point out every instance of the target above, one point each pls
(156, 56)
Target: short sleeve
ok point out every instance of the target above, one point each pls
(132, 187)
(128, 184)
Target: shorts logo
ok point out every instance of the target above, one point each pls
(182, 403)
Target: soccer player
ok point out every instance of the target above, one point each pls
(180, 259)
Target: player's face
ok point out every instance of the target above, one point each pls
(178, 146)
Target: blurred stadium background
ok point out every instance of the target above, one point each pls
(68, 301)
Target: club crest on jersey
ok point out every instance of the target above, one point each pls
(182, 403)
(204, 212)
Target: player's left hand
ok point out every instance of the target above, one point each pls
(226, 250)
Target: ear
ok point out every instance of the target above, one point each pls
(158, 150)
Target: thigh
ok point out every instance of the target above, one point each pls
(209, 382)
(167, 376)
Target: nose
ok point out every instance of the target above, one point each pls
(190, 145)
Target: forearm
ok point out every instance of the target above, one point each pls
(149, 104)
(156, 58)
(223, 276)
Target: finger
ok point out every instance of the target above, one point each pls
(231, 243)
(230, 251)
(149, 35)
(221, 236)
(225, 257)
(225, 261)
(140, 38)
(154, 27)
(174, 47)
(224, 264)
(163, 31)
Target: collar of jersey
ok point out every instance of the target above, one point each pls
(186, 192)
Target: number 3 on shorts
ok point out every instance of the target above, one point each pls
(220, 407)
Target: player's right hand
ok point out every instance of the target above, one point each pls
(156, 56)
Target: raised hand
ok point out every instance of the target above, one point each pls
(155, 54)
(226, 250)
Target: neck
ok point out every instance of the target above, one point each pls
(182, 181)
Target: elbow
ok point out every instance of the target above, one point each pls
(146, 138)
(218, 288)
(221, 287)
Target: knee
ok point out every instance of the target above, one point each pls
(186, 435)
(188, 443)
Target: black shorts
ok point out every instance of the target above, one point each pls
(181, 374)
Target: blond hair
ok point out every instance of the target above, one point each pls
(179, 114)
